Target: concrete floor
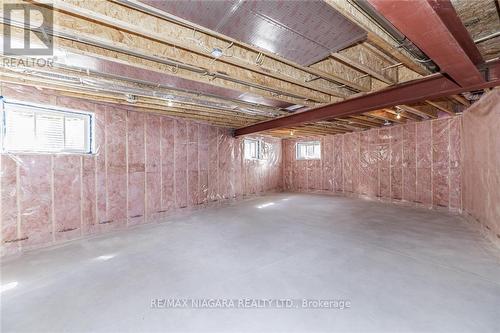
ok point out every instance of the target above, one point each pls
(402, 269)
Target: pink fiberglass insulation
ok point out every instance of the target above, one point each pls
(153, 166)
(481, 142)
(351, 162)
(338, 163)
(203, 159)
(116, 167)
(167, 164)
(288, 165)
(424, 162)
(67, 203)
(146, 167)
(409, 163)
(256, 176)
(192, 166)
(35, 199)
(456, 166)
(384, 157)
(327, 152)
(368, 164)
(136, 167)
(396, 162)
(415, 162)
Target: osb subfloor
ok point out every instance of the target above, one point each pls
(401, 268)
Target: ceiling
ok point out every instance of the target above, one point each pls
(301, 31)
(482, 20)
(278, 58)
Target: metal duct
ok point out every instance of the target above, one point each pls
(303, 31)
(190, 84)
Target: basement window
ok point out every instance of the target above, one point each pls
(308, 150)
(254, 149)
(35, 129)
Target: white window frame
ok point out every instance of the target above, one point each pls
(89, 118)
(260, 146)
(307, 144)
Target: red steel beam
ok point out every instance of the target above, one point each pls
(450, 18)
(423, 25)
(433, 86)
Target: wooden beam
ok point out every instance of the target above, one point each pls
(441, 106)
(403, 115)
(358, 57)
(196, 43)
(367, 120)
(271, 62)
(356, 123)
(161, 64)
(384, 115)
(461, 100)
(345, 75)
(219, 117)
(103, 30)
(376, 36)
(212, 116)
(229, 116)
(209, 117)
(346, 123)
(272, 65)
(298, 133)
(426, 114)
(330, 125)
(137, 82)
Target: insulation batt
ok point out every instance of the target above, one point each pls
(415, 162)
(146, 168)
(481, 137)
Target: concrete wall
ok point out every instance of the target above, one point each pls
(481, 136)
(416, 162)
(147, 167)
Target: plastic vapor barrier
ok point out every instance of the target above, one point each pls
(416, 162)
(481, 134)
(145, 167)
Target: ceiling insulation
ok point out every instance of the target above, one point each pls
(482, 20)
(213, 60)
(301, 31)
